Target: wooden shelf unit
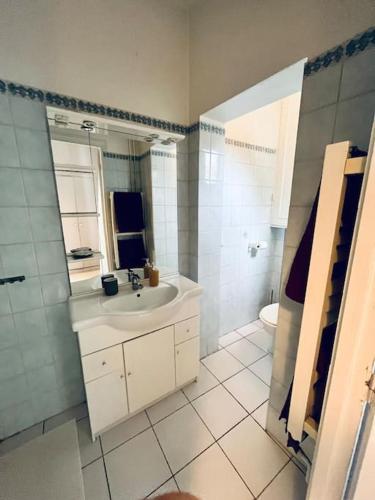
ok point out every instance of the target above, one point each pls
(333, 235)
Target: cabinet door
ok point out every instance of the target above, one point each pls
(150, 367)
(65, 191)
(71, 233)
(85, 192)
(187, 361)
(89, 232)
(106, 400)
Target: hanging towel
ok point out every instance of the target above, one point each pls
(132, 252)
(129, 212)
(297, 282)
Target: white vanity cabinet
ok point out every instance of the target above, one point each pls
(125, 378)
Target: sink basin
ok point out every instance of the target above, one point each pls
(140, 301)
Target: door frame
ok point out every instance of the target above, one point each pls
(353, 357)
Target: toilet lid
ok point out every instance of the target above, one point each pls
(269, 313)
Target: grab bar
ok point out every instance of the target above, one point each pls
(12, 279)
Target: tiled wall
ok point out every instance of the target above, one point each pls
(121, 173)
(40, 373)
(164, 206)
(182, 149)
(247, 279)
(338, 104)
(210, 180)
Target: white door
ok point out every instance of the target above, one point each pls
(106, 400)
(65, 191)
(84, 187)
(89, 232)
(150, 367)
(187, 361)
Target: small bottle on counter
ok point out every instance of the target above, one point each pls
(147, 268)
(154, 277)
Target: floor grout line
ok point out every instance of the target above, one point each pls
(105, 469)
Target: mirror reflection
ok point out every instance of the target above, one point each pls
(117, 190)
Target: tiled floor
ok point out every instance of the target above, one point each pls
(208, 439)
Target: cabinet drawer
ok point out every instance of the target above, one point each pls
(102, 362)
(186, 330)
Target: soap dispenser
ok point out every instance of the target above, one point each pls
(147, 269)
(154, 276)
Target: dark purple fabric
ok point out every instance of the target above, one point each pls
(297, 282)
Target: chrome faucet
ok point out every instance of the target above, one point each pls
(136, 285)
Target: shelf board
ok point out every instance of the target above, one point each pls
(311, 427)
(355, 165)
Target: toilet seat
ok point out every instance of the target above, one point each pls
(269, 314)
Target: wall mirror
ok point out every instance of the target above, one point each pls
(117, 190)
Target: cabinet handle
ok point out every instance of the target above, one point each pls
(122, 375)
(178, 352)
(129, 373)
(188, 330)
(104, 363)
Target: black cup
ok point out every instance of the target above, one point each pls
(105, 276)
(110, 286)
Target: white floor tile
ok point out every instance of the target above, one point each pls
(248, 390)
(168, 487)
(262, 339)
(222, 364)
(219, 410)
(249, 328)
(136, 468)
(89, 451)
(21, 438)
(182, 436)
(205, 382)
(263, 369)
(253, 453)
(260, 414)
(166, 406)
(78, 412)
(245, 351)
(95, 481)
(124, 431)
(212, 477)
(290, 484)
(229, 338)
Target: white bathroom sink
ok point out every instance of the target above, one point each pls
(141, 301)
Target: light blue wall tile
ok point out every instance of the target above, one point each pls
(321, 89)
(358, 75)
(14, 225)
(55, 288)
(354, 120)
(5, 114)
(46, 224)
(29, 114)
(11, 363)
(72, 394)
(64, 348)
(16, 418)
(13, 391)
(40, 188)
(26, 295)
(8, 147)
(8, 334)
(315, 131)
(19, 259)
(42, 379)
(4, 301)
(11, 188)
(34, 149)
(51, 257)
(36, 354)
(30, 325)
(46, 404)
(58, 319)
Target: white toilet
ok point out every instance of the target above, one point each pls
(268, 316)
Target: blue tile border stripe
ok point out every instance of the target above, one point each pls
(345, 50)
(119, 156)
(247, 145)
